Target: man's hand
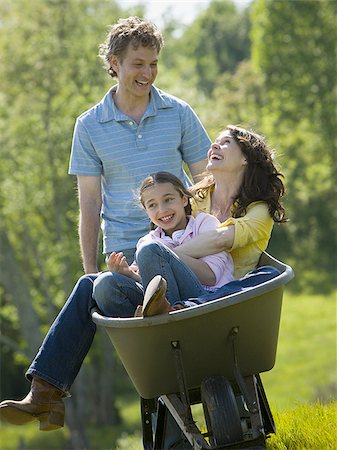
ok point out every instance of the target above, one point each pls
(117, 263)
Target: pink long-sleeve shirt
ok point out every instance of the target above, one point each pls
(220, 263)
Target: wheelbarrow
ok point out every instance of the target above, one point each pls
(211, 355)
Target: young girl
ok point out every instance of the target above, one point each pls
(167, 203)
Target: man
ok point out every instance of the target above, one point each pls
(136, 129)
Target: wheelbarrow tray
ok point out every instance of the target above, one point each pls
(144, 345)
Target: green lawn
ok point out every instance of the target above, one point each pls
(305, 368)
(306, 427)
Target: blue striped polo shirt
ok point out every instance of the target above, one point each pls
(106, 142)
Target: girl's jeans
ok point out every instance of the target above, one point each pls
(113, 292)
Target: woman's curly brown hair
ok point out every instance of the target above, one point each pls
(262, 181)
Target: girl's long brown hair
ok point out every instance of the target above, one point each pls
(262, 181)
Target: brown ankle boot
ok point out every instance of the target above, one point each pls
(155, 301)
(43, 402)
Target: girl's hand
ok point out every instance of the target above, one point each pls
(117, 263)
(134, 268)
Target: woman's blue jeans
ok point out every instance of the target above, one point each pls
(250, 280)
(114, 292)
(69, 339)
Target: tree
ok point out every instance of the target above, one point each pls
(216, 42)
(293, 46)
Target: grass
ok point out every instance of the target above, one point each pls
(306, 427)
(305, 369)
(304, 374)
(28, 437)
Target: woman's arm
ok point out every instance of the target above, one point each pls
(256, 225)
(207, 243)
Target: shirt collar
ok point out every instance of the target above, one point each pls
(107, 109)
(203, 204)
(160, 233)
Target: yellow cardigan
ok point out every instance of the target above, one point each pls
(251, 233)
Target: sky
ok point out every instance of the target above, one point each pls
(182, 10)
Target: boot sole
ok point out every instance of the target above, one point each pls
(15, 416)
(155, 290)
(48, 421)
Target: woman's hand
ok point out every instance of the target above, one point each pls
(117, 263)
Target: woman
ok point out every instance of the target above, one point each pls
(243, 192)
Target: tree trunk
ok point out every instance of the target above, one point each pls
(13, 279)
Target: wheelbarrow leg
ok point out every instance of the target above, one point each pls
(269, 424)
(255, 414)
(158, 426)
(169, 427)
(147, 408)
(181, 408)
(175, 427)
(248, 394)
(254, 396)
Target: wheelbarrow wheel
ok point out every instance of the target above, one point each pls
(221, 411)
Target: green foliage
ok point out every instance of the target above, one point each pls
(237, 99)
(305, 38)
(213, 44)
(50, 73)
(298, 65)
(52, 78)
